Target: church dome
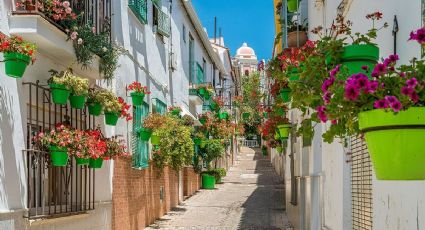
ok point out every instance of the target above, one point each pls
(245, 50)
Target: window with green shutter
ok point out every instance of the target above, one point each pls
(140, 9)
(140, 149)
(160, 107)
(199, 74)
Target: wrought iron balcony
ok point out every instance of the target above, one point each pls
(161, 21)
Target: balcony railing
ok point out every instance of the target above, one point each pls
(162, 21)
(55, 191)
(95, 12)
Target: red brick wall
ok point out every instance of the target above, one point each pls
(191, 181)
(136, 195)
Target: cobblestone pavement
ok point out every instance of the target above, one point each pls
(251, 197)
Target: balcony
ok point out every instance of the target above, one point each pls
(161, 21)
(38, 26)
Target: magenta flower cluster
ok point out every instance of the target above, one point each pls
(388, 102)
(358, 83)
(418, 35)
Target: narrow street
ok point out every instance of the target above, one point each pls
(251, 197)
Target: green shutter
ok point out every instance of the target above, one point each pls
(160, 107)
(140, 149)
(140, 9)
(199, 74)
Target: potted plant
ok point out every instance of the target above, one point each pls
(264, 150)
(217, 173)
(56, 141)
(224, 115)
(198, 138)
(114, 108)
(387, 109)
(246, 115)
(297, 33)
(96, 100)
(79, 88)
(213, 149)
(217, 103)
(151, 123)
(87, 146)
(175, 110)
(203, 118)
(138, 93)
(17, 53)
(26, 5)
(59, 87)
(292, 5)
(115, 147)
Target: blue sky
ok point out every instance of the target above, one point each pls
(241, 21)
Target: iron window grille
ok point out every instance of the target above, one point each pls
(161, 21)
(54, 191)
(140, 9)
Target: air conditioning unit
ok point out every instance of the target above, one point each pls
(173, 61)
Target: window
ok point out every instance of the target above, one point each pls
(160, 107)
(140, 9)
(184, 33)
(199, 74)
(204, 68)
(139, 148)
(161, 20)
(191, 60)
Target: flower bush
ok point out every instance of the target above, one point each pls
(138, 88)
(115, 147)
(113, 104)
(174, 108)
(60, 136)
(88, 144)
(77, 85)
(15, 44)
(213, 149)
(154, 121)
(219, 101)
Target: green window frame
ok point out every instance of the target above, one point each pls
(199, 74)
(140, 149)
(160, 106)
(161, 21)
(140, 9)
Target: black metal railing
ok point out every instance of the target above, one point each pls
(55, 191)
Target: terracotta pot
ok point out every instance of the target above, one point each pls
(292, 38)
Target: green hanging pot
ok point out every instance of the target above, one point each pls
(95, 109)
(155, 139)
(214, 106)
(145, 134)
(208, 181)
(77, 102)
(15, 64)
(207, 96)
(96, 163)
(197, 141)
(284, 94)
(60, 93)
(202, 91)
(246, 116)
(82, 161)
(203, 120)
(395, 142)
(284, 131)
(137, 98)
(176, 112)
(111, 118)
(280, 111)
(292, 6)
(277, 135)
(354, 57)
(223, 115)
(294, 75)
(265, 114)
(279, 149)
(58, 155)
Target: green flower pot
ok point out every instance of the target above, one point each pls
(202, 91)
(207, 95)
(145, 134)
(265, 114)
(82, 161)
(246, 116)
(356, 56)
(111, 118)
(58, 155)
(197, 141)
(15, 64)
(277, 135)
(60, 94)
(155, 139)
(214, 106)
(264, 152)
(95, 163)
(203, 120)
(284, 94)
(395, 142)
(280, 112)
(292, 6)
(294, 75)
(95, 109)
(77, 102)
(279, 149)
(208, 181)
(137, 98)
(223, 115)
(176, 112)
(284, 131)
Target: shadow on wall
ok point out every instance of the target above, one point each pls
(264, 208)
(11, 165)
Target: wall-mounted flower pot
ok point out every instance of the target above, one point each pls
(223, 115)
(82, 161)
(292, 6)
(354, 57)
(96, 163)
(279, 149)
(155, 139)
(208, 181)
(176, 112)
(60, 94)
(284, 94)
(77, 102)
(202, 91)
(145, 134)
(58, 155)
(95, 109)
(137, 98)
(197, 141)
(297, 38)
(246, 116)
(396, 142)
(207, 95)
(214, 106)
(203, 120)
(15, 64)
(284, 131)
(111, 118)
(294, 75)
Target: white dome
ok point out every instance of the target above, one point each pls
(245, 50)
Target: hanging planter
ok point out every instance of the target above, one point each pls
(15, 64)
(354, 57)
(58, 155)
(145, 134)
(297, 38)
(223, 115)
(207, 95)
(77, 102)
(396, 142)
(155, 139)
(214, 106)
(197, 141)
(208, 181)
(292, 6)
(137, 98)
(203, 120)
(111, 118)
(60, 94)
(284, 131)
(202, 91)
(96, 163)
(176, 112)
(95, 109)
(280, 111)
(284, 94)
(277, 135)
(246, 116)
(82, 161)
(294, 75)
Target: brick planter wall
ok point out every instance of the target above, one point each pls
(191, 181)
